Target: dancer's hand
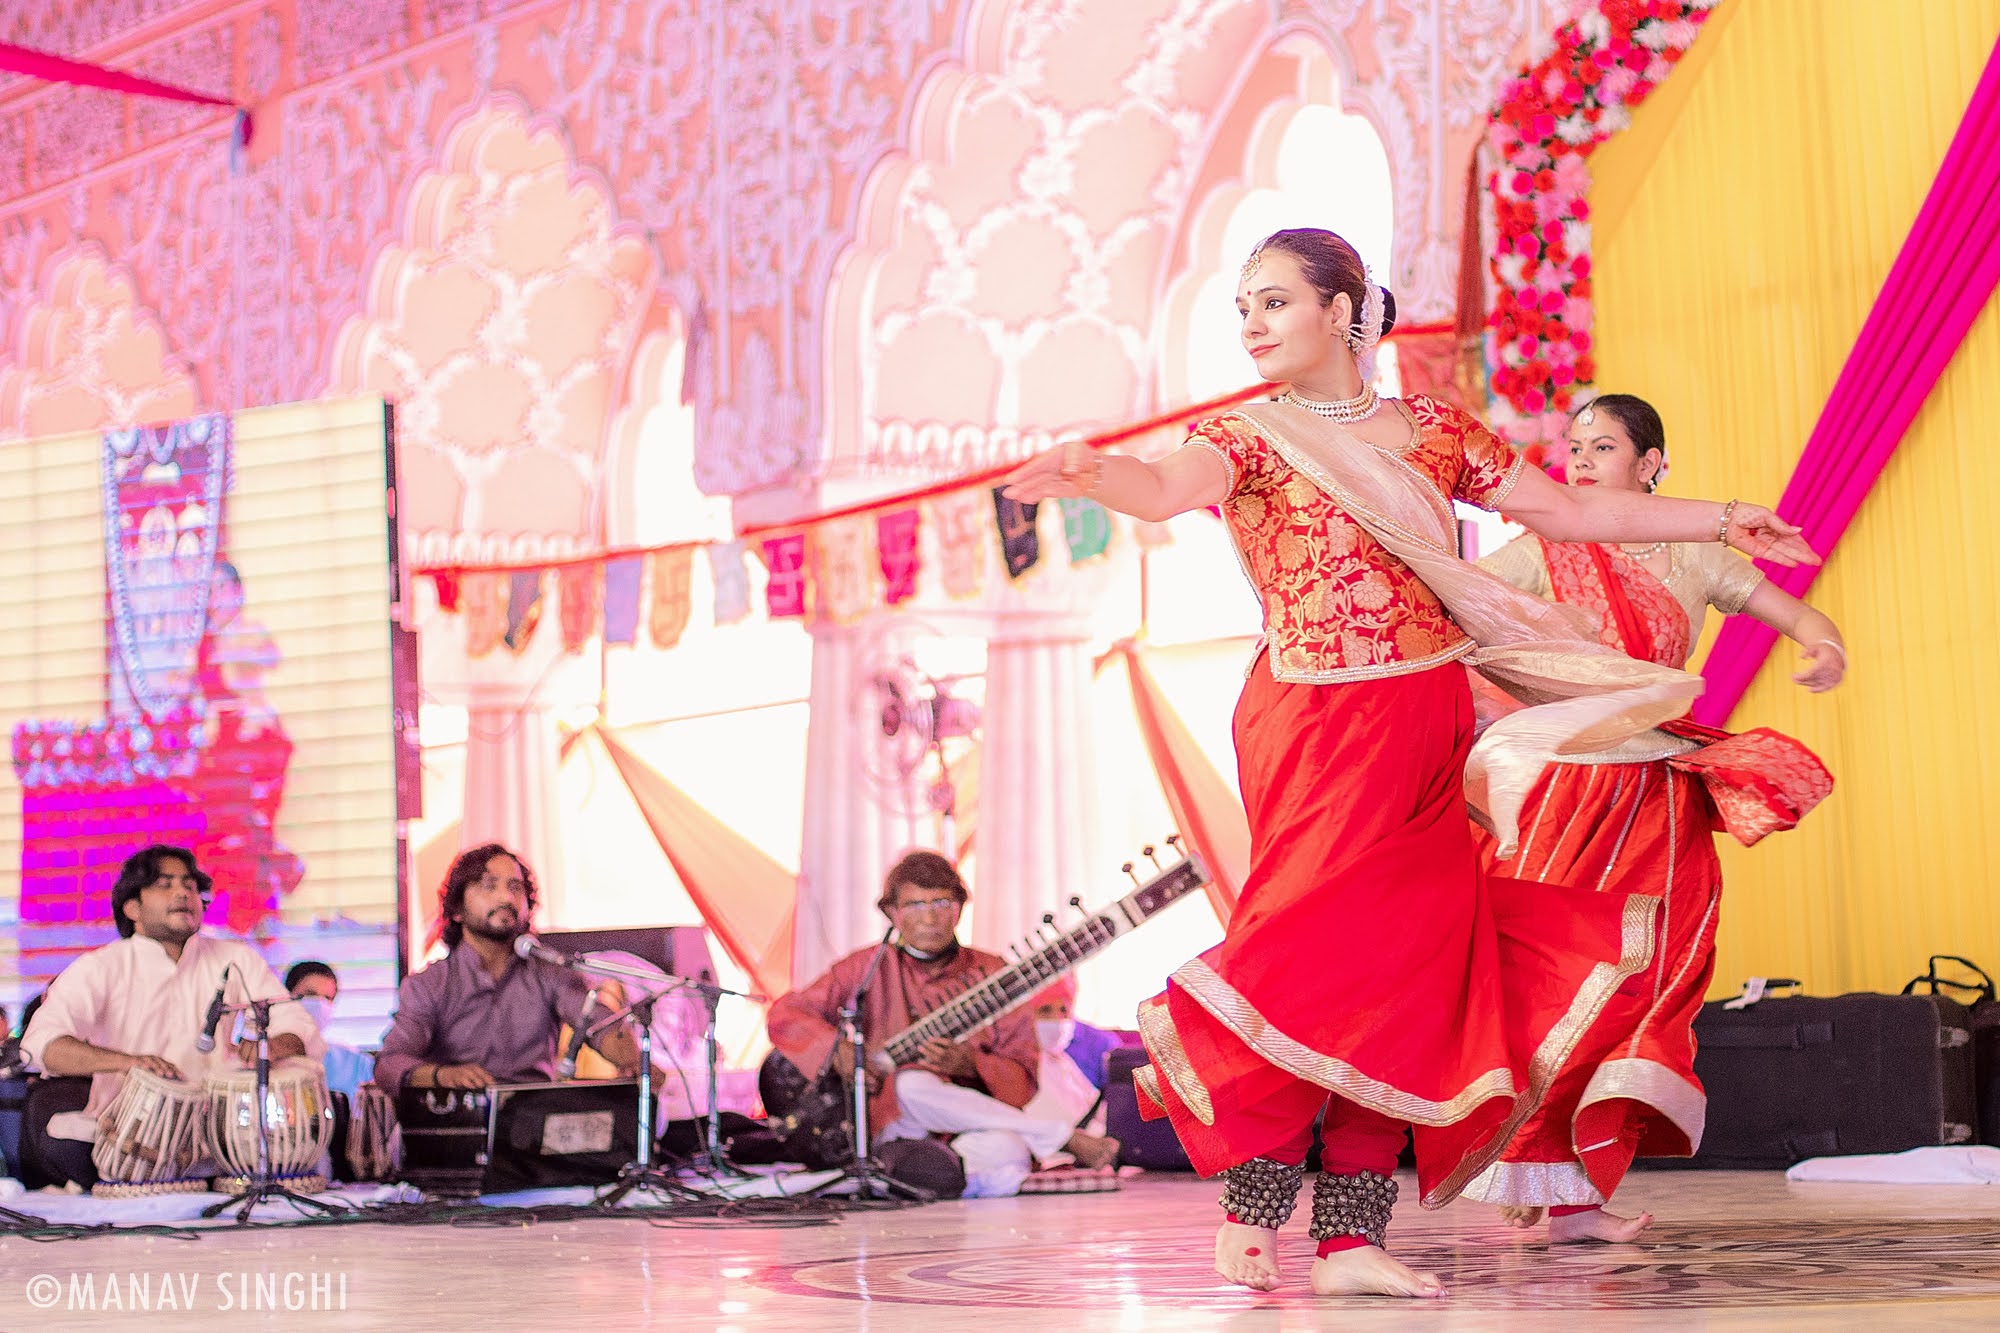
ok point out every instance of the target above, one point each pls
(1826, 666)
(1068, 471)
(1762, 535)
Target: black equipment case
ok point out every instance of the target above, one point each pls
(1984, 1011)
(1151, 1144)
(1797, 1077)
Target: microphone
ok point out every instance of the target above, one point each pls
(566, 1067)
(527, 946)
(206, 1041)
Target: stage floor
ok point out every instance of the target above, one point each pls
(1730, 1250)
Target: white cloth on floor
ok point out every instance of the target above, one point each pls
(1062, 1092)
(1970, 1164)
(997, 1142)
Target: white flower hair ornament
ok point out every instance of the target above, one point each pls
(1366, 331)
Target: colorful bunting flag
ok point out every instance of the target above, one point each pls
(1086, 527)
(524, 608)
(1020, 543)
(896, 549)
(732, 582)
(447, 584)
(785, 590)
(960, 522)
(673, 595)
(485, 613)
(843, 570)
(582, 601)
(622, 579)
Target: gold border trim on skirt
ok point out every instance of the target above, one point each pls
(1654, 1085)
(1636, 945)
(1227, 1005)
(1533, 1185)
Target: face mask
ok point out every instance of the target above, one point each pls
(1055, 1034)
(319, 1007)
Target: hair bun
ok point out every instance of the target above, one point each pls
(1388, 310)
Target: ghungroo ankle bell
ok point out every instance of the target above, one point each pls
(1356, 1205)
(1261, 1192)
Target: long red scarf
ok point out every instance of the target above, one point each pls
(1762, 781)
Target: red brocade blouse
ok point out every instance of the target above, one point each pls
(1337, 606)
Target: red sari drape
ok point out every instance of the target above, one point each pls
(1646, 830)
(1367, 957)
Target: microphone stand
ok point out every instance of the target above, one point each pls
(870, 1179)
(261, 1184)
(642, 1175)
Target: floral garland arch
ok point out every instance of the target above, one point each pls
(1547, 123)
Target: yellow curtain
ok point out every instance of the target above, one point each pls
(1749, 221)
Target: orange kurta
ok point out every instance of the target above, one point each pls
(904, 989)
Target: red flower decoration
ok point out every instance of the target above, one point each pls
(1550, 276)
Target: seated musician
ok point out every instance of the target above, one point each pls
(479, 1015)
(141, 1002)
(1071, 1074)
(973, 1089)
(315, 986)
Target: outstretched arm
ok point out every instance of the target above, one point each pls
(1188, 478)
(1820, 644)
(1600, 514)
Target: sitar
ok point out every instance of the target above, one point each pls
(811, 1115)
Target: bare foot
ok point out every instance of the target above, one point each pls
(1597, 1225)
(1521, 1215)
(1092, 1151)
(1247, 1256)
(1367, 1271)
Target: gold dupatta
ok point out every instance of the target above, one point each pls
(1561, 693)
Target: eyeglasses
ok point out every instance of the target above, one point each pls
(938, 905)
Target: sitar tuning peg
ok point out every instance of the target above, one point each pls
(1075, 903)
(1174, 841)
(1048, 918)
(1147, 852)
(1127, 868)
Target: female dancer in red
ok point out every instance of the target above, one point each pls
(1640, 820)
(1368, 970)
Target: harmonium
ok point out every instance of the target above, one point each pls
(461, 1142)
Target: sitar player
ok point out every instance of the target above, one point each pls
(971, 1091)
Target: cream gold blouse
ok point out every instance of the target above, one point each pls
(1699, 575)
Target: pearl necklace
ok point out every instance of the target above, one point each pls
(1345, 410)
(1644, 552)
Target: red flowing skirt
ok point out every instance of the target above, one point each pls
(1645, 830)
(1368, 958)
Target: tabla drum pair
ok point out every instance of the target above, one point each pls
(163, 1136)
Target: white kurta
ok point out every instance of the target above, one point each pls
(131, 997)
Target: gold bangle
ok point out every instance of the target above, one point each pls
(1722, 524)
